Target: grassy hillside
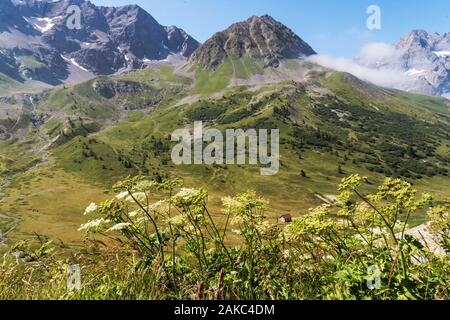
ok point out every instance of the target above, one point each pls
(331, 125)
(7, 84)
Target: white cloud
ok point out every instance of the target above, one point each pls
(371, 65)
(378, 51)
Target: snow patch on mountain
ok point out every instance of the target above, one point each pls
(442, 53)
(42, 24)
(75, 63)
(415, 72)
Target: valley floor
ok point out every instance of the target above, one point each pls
(48, 201)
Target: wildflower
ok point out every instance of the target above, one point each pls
(119, 227)
(91, 208)
(170, 184)
(186, 193)
(352, 182)
(230, 203)
(93, 224)
(177, 221)
(363, 212)
(138, 196)
(135, 213)
(156, 205)
(287, 254)
(440, 220)
(139, 212)
(379, 231)
(188, 197)
(144, 186)
(267, 230)
(316, 222)
(122, 195)
(247, 208)
(143, 220)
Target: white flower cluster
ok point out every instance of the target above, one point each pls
(187, 194)
(156, 205)
(126, 196)
(122, 195)
(119, 227)
(93, 224)
(177, 221)
(135, 213)
(138, 196)
(91, 209)
(145, 185)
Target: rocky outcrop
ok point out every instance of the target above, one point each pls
(179, 41)
(109, 89)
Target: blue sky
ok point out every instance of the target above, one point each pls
(332, 27)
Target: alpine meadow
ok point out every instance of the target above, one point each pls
(140, 164)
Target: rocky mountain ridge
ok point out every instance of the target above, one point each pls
(258, 38)
(423, 58)
(36, 42)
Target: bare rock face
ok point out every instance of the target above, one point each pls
(256, 38)
(179, 41)
(423, 58)
(427, 58)
(110, 39)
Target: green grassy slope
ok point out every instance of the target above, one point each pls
(7, 83)
(350, 127)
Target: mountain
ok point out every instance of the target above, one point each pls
(425, 60)
(426, 57)
(258, 38)
(68, 143)
(36, 43)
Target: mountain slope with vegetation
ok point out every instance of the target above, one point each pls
(364, 158)
(63, 147)
(331, 124)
